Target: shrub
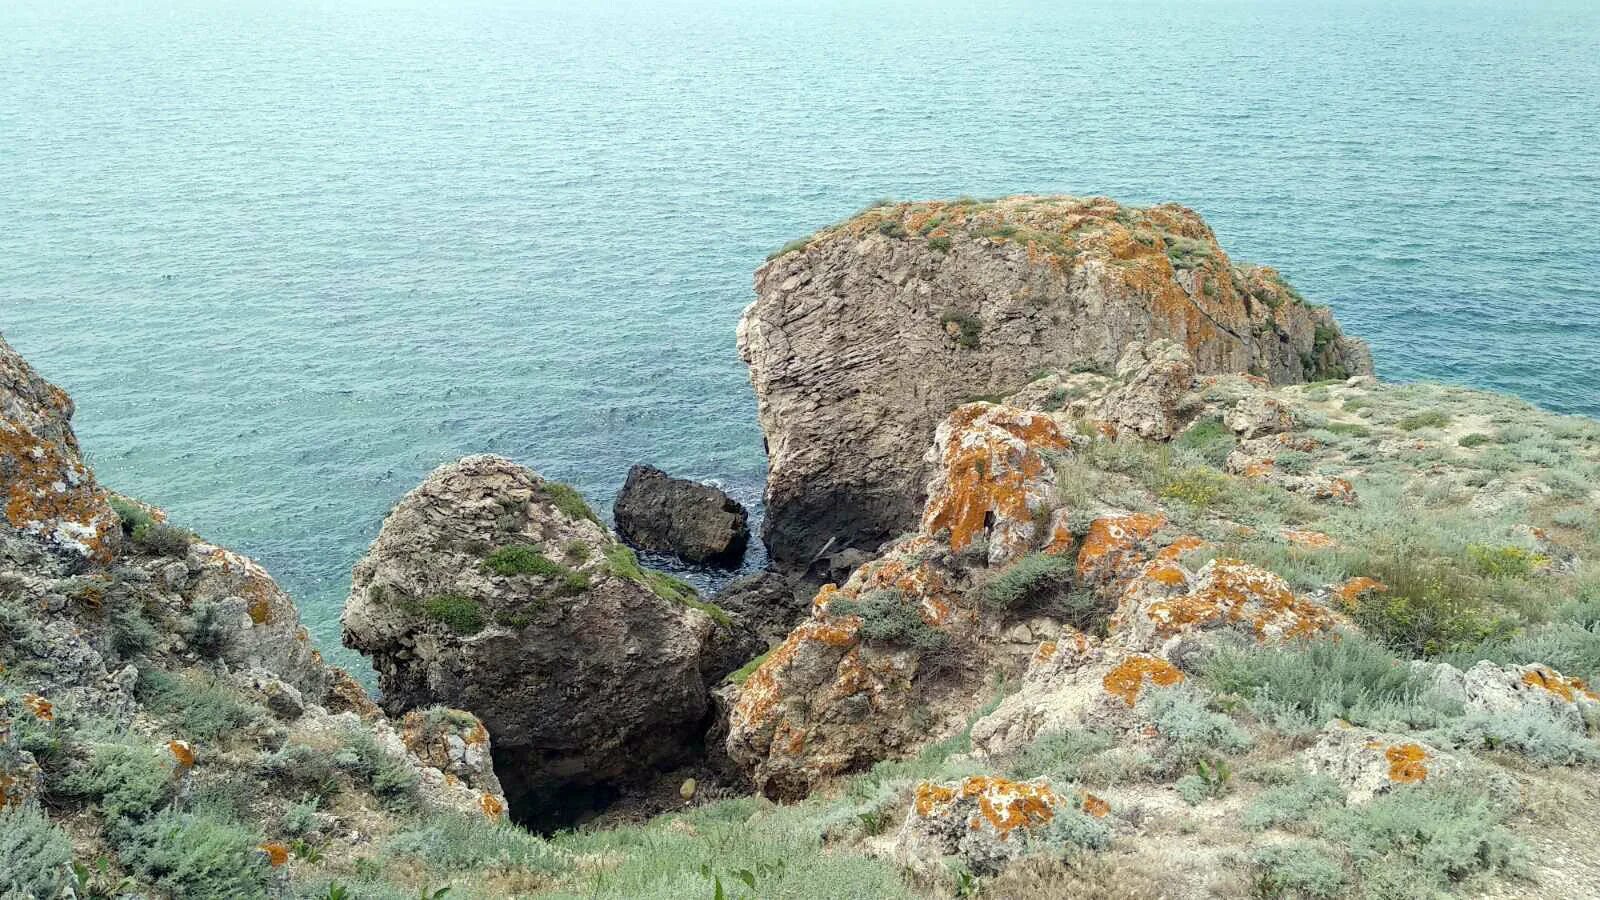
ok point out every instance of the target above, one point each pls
(1299, 870)
(1504, 562)
(1475, 439)
(1196, 487)
(1533, 733)
(1430, 608)
(460, 614)
(520, 559)
(940, 244)
(887, 616)
(1432, 418)
(566, 498)
(1028, 581)
(162, 539)
(1418, 839)
(1294, 462)
(1570, 648)
(1301, 686)
(201, 705)
(1180, 714)
(303, 767)
(300, 817)
(962, 327)
(130, 515)
(130, 632)
(1348, 429)
(194, 855)
(1059, 754)
(1286, 804)
(453, 842)
(34, 854)
(129, 781)
(391, 777)
(1072, 828)
(204, 629)
(790, 247)
(1210, 440)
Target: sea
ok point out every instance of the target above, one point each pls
(290, 255)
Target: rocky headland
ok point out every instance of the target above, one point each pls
(1104, 567)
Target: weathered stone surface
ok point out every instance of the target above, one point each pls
(984, 821)
(1493, 688)
(768, 604)
(696, 521)
(1155, 381)
(48, 491)
(862, 341)
(1367, 763)
(586, 677)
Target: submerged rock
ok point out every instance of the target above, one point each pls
(493, 590)
(698, 522)
(862, 341)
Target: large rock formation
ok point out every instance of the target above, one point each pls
(123, 637)
(698, 522)
(860, 342)
(493, 590)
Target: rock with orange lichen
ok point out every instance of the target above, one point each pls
(1224, 594)
(832, 698)
(990, 474)
(1153, 395)
(1114, 546)
(1366, 763)
(48, 492)
(986, 821)
(1257, 415)
(1257, 461)
(1497, 689)
(455, 744)
(861, 342)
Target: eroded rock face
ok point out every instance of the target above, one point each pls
(862, 341)
(696, 521)
(48, 491)
(487, 590)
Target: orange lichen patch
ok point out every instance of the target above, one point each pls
(10, 790)
(1231, 590)
(492, 807)
(930, 796)
(49, 492)
(1407, 763)
(42, 709)
(1166, 573)
(277, 854)
(1349, 594)
(762, 690)
(1045, 651)
(1337, 490)
(477, 735)
(1568, 689)
(1061, 538)
(1093, 805)
(1175, 550)
(1112, 544)
(260, 610)
(182, 753)
(991, 469)
(1259, 468)
(1006, 805)
(1314, 540)
(1127, 679)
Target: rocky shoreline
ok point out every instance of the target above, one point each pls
(1102, 566)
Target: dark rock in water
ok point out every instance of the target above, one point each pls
(696, 521)
(767, 604)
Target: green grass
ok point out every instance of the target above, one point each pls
(622, 562)
(34, 854)
(1475, 439)
(792, 246)
(463, 615)
(1210, 439)
(190, 854)
(567, 499)
(743, 673)
(520, 559)
(129, 779)
(1424, 838)
(161, 539)
(1029, 581)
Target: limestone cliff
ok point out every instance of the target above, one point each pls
(863, 338)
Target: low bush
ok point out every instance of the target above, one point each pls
(130, 515)
(1059, 754)
(622, 562)
(35, 855)
(1072, 828)
(1210, 440)
(453, 842)
(1432, 418)
(390, 777)
(201, 705)
(1475, 439)
(195, 855)
(1196, 487)
(128, 780)
(890, 617)
(1430, 608)
(161, 539)
(205, 631)
(130, 630)
(1420, 839)
(1504, 562)
(1181, 715)
(1028, 582)
(1300, 870)
(964, 329)
(1288, 804)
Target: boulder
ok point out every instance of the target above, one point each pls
(1366, 763)
(987, 822)
(1151, 398)
(861, 342)
(696, 521)
(492, 590)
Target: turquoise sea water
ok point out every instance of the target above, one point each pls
(289, 255)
